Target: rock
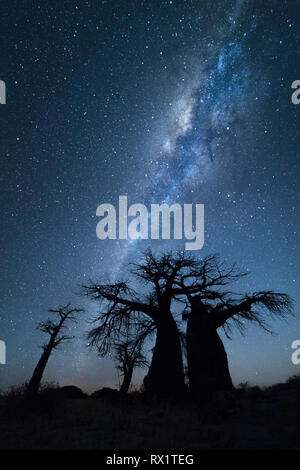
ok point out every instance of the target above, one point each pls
(68, 392)
(107, 394)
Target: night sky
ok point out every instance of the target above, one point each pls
(162, 101)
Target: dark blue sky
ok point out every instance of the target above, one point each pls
(177, 101)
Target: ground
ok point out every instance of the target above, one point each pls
(251, 419)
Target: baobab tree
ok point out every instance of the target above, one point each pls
(120, 304)
(122, 335)
(54, 328)
(208, 369)
(212, 308)
(128, 354)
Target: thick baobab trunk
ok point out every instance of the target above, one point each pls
(35, 381)
(126, 380)
(207, 359)
(165, 376)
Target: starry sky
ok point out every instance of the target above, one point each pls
(163, 101)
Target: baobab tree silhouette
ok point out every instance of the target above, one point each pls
(53, 329)
(121, 304)
(123, 337)
(212, 308)
(171, 280)
(128, 354)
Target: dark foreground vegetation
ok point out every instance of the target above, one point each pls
(65, 418)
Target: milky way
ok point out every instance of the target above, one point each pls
(204, 123)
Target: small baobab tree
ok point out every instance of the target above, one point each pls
(128, 354)
(121, 334)
(54, 328)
